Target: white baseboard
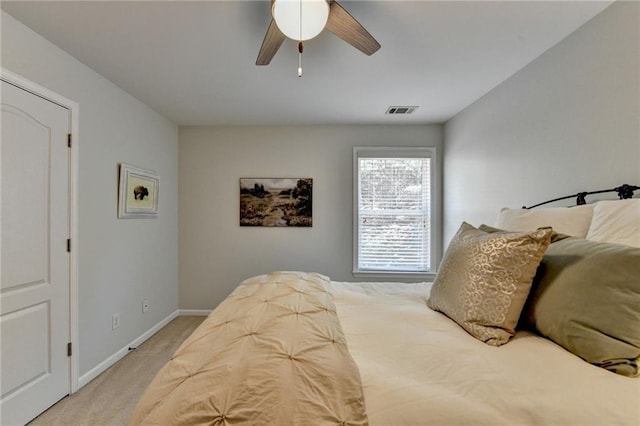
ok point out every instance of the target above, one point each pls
(194, 312)
(104, 365)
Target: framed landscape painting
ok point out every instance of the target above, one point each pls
(138, 192)
(276, 202)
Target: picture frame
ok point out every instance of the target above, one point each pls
(276, 202)
(138, 192)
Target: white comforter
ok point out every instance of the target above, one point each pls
(420, 368)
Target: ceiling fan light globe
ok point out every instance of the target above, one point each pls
(287, 15)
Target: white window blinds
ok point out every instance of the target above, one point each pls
(393, 211)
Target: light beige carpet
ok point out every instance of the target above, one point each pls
(110, 398)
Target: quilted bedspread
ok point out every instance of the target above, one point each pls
(273, 353)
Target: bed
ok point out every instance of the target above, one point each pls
(296, 348)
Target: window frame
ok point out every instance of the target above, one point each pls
(435, 228)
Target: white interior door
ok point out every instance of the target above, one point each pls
(34, 266)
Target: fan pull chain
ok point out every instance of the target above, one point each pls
(300, 46)
(300, 49)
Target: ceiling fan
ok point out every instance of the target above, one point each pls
(302, 20)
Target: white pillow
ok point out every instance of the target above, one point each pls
(572, 221)
(616, 221)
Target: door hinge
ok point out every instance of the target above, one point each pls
(68, 245)
(69, 140)
(69, 349)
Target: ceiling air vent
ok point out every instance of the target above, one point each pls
(401, 110)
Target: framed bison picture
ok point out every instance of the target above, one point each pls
(137, 193)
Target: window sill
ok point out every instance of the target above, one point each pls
(426, 276)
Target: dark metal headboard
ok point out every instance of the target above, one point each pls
(624, 191)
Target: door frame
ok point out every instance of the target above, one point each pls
(73, 107)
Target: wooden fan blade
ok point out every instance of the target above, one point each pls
(272, 41)
(345, 26)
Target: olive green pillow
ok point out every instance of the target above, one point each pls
(555, 236)
(484, 280)
(586, 298)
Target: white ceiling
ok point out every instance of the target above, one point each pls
(194, 62)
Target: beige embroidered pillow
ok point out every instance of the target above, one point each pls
(484, 280)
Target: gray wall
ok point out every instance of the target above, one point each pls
(216, 253)
(121, 262)
(567, 122)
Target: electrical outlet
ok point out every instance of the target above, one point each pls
(115, 321)
(145, 306)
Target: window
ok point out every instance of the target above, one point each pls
(394, 210)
